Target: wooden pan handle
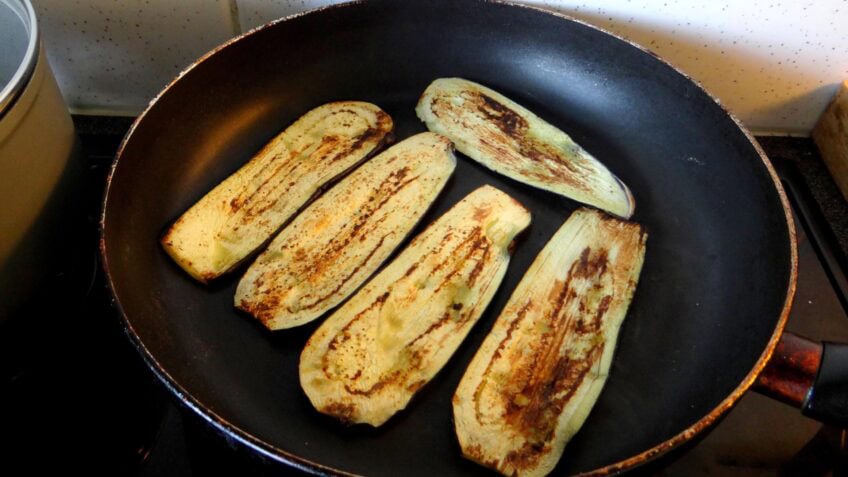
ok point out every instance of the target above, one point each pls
(809, 375)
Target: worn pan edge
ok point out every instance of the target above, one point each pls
(272, 452)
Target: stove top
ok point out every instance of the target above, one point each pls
(77, 396)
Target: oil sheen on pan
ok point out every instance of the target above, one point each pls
(540, 370)
(368, 359)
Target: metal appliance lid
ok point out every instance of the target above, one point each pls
(18, 49)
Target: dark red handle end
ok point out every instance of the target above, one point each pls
(809, 375)
(790, 374)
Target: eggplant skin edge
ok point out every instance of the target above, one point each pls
(540, 370)
(511, 140)
(367, 360)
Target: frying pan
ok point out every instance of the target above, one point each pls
(714, 294)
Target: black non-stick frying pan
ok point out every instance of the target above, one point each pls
(713, 297)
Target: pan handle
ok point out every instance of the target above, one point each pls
(810, 375)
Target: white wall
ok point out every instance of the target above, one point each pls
(773, 63)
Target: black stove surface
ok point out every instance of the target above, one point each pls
(78, 397)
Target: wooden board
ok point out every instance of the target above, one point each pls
(831, 137)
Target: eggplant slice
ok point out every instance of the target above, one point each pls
(368, 359)
(246, 209)
(540, 370)
(511, 140)
(336, 243)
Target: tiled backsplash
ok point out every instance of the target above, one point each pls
(775, 64)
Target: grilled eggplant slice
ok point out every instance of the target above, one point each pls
(540, 370)
(509, 139)
(248, 207)
(336, 243)
(368, 359)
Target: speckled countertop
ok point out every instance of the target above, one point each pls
(800, 151)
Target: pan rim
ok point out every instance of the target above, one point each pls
(270, 451)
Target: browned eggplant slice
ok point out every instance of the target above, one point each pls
(368, 359)
(540, 370)
(336, 243)
(509, 139)
(246, 209)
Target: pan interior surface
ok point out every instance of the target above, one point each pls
(711, 292)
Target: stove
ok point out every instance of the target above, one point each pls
(77, 397)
